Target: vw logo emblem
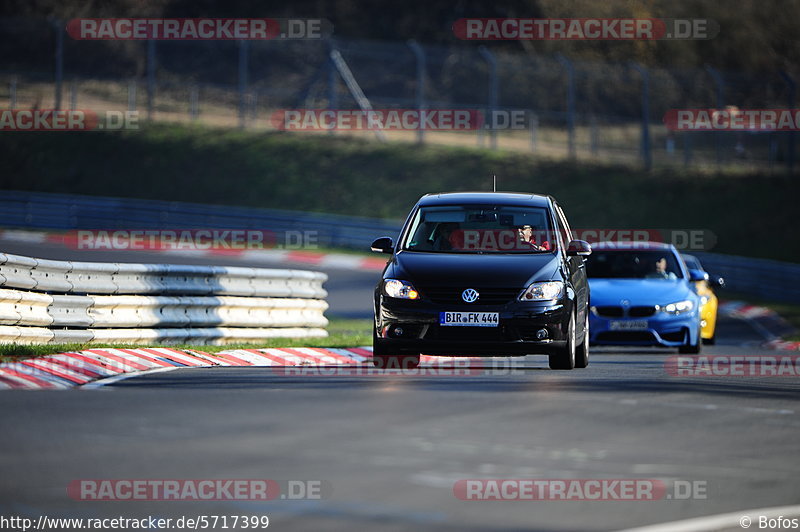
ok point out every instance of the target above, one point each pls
(470, 295)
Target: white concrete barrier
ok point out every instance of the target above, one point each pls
(17, 271)
(18, 307)
(57, 301)
(92, 277)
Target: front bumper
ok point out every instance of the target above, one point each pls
(403, 326)
(661, 330)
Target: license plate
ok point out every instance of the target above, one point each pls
(469, 319)
(630, 325)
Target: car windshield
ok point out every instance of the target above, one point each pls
(480, 229)
(633, 264)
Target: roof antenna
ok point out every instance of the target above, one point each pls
(494, 183)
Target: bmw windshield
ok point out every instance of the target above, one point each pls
(480, 229)
(633, 264)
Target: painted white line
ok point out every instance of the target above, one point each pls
(349, 262)
(33, 237)
(121, 377)
(742, 519)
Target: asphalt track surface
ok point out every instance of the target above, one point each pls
(389, 448)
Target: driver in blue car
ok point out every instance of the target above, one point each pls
(661, 271)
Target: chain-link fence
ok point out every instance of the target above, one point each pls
(584, 110)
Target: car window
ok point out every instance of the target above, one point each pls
(691, 262)
(480, 229)
(633, 264)
(563, 226)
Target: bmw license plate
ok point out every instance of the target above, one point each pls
(629, 325)
(469, 319)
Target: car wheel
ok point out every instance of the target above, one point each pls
(384, 359)
(564, 358)
(582, 351)
(692, 348)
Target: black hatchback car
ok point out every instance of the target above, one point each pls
(483, 274)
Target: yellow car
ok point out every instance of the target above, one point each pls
(708, 307)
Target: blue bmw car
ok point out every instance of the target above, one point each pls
(642, 294)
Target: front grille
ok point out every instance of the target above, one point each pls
(487, 296)
(468, 334)
(641, 312)
(610, 312)
(614, 311)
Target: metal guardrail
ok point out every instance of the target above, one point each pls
(46, 301)
(73, 212)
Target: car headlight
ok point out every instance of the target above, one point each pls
(542, 291)
(399, 289)
(679, 307)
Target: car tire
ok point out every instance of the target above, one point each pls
(564, 357)
(710, 341)
(692, 348)
(582, 351)
(384, 359)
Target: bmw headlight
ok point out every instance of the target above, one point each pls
(399, 289)
(542, 291)
(679, 307)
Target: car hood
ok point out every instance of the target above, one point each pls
(488, 270)
(639, 291)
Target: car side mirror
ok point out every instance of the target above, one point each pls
(579, 248)
(697, 275)
(383, 244)
(716, 281)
